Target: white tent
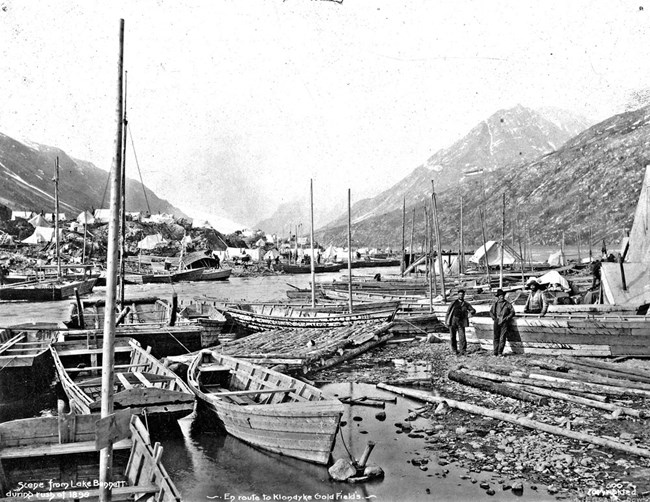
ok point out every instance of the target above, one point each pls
(42, 235)
(493, 255)
(260, 243)
(271, 254)
(39, 221)
(450, 264)
(557, 259)
(553, 277)
(102, 215)
(151, 241)
(25, 215)
(85, 217)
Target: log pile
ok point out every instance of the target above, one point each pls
(307, 350)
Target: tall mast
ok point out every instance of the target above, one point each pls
(503, 239)
(402, 264)
(108, 355)
(56, 217)
(123, 205)
(349, 251)
(313, 270)
(411, 260)
(434, 205)
(461, 250)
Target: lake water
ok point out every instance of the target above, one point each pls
(208, 465)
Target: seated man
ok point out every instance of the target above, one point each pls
(537, 302)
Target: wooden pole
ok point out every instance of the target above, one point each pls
(108, 355)
(461, 249)
(296, 244)
(349, 251)
(503, 239)
(427, 241)
(411, 259)
(80, 310)
(434, 205)
(517, 420)
(311, 237)
(123, 205)
(590, 239)
(83, 253)
(485, 254)
(56, 217)
(562, 254)
(402, 264)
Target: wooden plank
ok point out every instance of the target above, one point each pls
(124, 381)
(82, 352)
(253, 392)
(214, 367)
(118, 493)
(48, 450)
(117, 367)
(142, 378)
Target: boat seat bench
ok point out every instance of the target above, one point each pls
(243, 397)
(49, 450)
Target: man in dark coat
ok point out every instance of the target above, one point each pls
(501, 313)
(457, 319)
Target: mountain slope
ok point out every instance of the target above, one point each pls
(589, 185)
(26, 173)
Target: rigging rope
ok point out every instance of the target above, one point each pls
(139, 172)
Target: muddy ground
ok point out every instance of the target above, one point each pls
(567, 468)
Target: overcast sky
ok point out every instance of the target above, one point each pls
(234, 105)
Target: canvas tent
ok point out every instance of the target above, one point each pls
(151, 241)
(39, 221)
(260, 243)
(25, 215)
(42, 235)
(102, 215)
(450, 264)
(493, 255)
(639, 250)
(271, 254)
(557, 259)
(637, 287)
(85, 218)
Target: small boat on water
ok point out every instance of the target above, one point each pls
(211, 265)
(170, 277)
(215, 274)
(266, 409)
(141, 381)
(571, 334)
(295, 268)
(56, 458)
(25, 361)
(47, 290)
(254, 317)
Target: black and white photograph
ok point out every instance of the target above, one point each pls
(325, 250)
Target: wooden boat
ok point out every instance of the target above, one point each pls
(256, 321)
(265, 408)
(169, 277)
(215, 274)
(141, 381)
(148, 321)
(48, 290)
(25, 361)
(376, 262)
(572, 334)
(291, 268)
(55, 458)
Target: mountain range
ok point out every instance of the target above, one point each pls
(558, 181)
(27, 171)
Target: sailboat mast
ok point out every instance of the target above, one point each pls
(311, 236)
(434, 205)
(108, 354)
(56, 217)
(503, 239)
(123, 193)
(402, 263)
(349, 252)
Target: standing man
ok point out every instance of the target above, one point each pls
(537, 302)
(501, 313)
(457, 319)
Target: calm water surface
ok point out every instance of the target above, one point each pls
(208, 465)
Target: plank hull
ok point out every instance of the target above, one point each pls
(215, 274)
(572, 335)
(288, 417)
(141, 381)
(47, 290)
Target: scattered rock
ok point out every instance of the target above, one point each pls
(381, 416)
(373, 471)
(342, 470)
(442, 408)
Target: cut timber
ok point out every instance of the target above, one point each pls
(495, 388)
(514, 419)
(580, 400)
(355, 352)
(637, 373)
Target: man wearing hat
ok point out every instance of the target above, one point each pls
(501, 313)
(537, 302)
(457, 319)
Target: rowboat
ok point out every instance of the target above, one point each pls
(193, 274)
(572, 334)
(56, 458)
(266, 409)
(255, 320)
(140, 379)
(215, 274)
(48, 290)
(25, 362)
(289, 268)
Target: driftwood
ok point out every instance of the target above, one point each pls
(495, 388)
(514, 419)
(363, 401)
(608, 369)
(354, 352)
(580, 400)
(553, 383)
(595, 387)
(616, 382)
